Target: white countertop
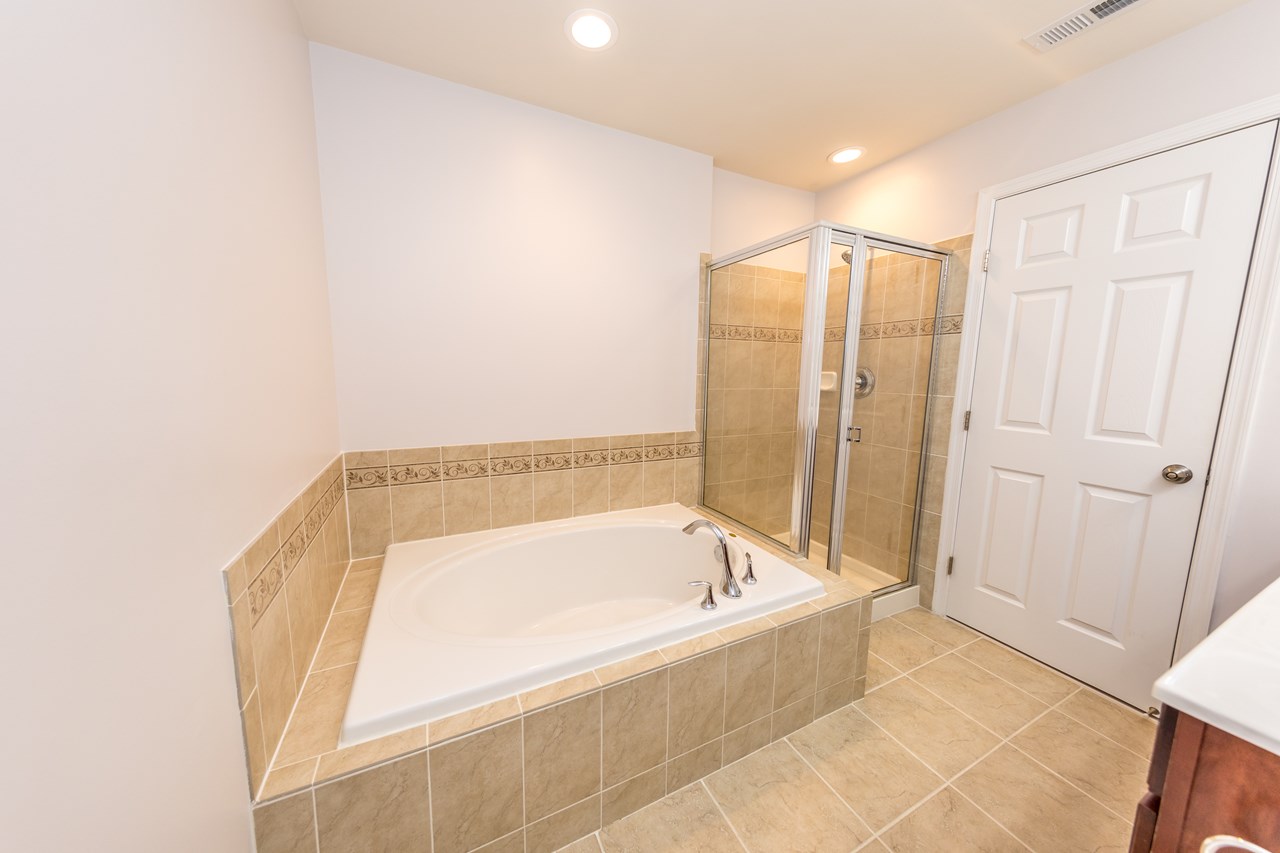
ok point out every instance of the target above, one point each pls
(1232, 679)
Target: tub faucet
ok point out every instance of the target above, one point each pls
(729, 586)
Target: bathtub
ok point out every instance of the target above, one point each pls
(464, 620)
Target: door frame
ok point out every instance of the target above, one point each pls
(1261, 306)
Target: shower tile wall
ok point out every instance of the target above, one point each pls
(944, 389)
(752, 391)
(896, 345)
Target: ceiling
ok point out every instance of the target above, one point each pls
(768, 88)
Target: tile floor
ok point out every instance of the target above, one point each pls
(960, 745)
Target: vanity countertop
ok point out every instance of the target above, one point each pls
(1232, 679)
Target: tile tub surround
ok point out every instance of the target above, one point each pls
(279, 594)
(556, 763)
(422, 493)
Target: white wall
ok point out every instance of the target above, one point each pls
(931, 194)
(746, 211)
(499, 271)
(165, 371)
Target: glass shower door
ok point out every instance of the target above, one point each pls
(886, 435)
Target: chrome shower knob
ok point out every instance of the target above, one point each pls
(750, 576)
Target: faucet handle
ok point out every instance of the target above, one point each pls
(708, 600)
(750, 576)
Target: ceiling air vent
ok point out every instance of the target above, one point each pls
(1077, 22)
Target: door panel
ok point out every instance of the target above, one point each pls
(1106, 332)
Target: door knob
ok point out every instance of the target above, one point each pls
(1176, 474)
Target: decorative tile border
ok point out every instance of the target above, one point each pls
(403, 475)
(366, 478)
(720, 331)
(951, 324)
(264, 587)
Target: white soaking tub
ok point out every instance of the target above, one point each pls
(464, 620)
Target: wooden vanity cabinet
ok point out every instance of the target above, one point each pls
(1206, 782)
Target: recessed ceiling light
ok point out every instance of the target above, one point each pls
(591, 29)
(846, 155)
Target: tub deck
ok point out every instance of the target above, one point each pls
(309, 752)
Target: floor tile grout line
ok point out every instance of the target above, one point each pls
(830, 787)
(949, 781)
(1104, 735)
(723, 815)
(992, 818)
(1079, 685)
(1127, 821)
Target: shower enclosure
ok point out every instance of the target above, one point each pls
(821, 345)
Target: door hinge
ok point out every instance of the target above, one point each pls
(951, 564)
(966, 420)
(986, 260)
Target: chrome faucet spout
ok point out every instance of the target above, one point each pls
(729, 585)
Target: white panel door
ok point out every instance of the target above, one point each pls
(1106, 331)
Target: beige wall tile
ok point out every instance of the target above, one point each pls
(464, 452)
(626, 486)
(513, 843)
(477, 789)
(273, 661)
(590, 490)
(866, 767)
(365, 458)
(413, 456)
(836, 696)
(512, 500)
(779, 803)
(260, 552)
(635, 726)
(838, 644)
(746, 740)
(370, 512)
(634, 794)
(417, 511)
(558, 830)
(552, 495)
(797, 668)
(255, 746)
(383, 810)
(286, 826)
(561, 755)
(304, 625)
(749, 680)
(242, 639)
(694, 765)
(697, 701)
(466, 505)
(658, 482)
(786, 720)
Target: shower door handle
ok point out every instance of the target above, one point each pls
(856, 439)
